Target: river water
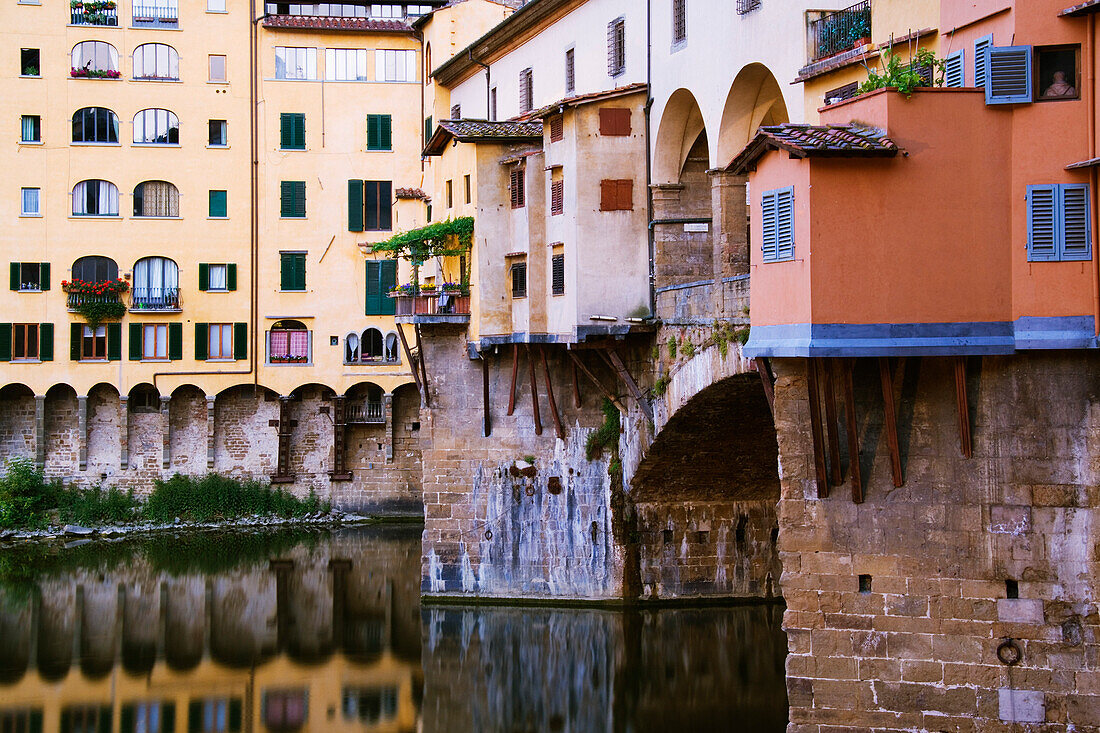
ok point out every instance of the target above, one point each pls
(320, 631)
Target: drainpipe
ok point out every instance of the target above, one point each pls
(488, 78)
(651, 235)
(1094, 175)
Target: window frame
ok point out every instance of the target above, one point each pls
(27, 329)
(1037, 82)
(210, 76)
(1057, 193)
(160, 341)
(309, 344)
(108, 215)
(305, 68)
(173, 201)
(526, 90)
(23, 66)
(289, 194)
(224, 124)
(518, 272)
(679, 24)
(557, 267)
(221, 328)
(616, 47)
(30, 273)
(517, 187)
(23, 210)
(36, 129)
(212, 196)
(95, 338)
(171, 59)
(289, 259)
(168, 117)
(772, 199)
(570, 70)
(111, 123)
(210, 277)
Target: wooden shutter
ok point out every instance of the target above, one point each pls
(355, 206)
(616, 194)
(286, 198)
(608, 194)
(981, 61)
(954, 71)
(286, 272)
(516, 188)
(1076, 226)
(14, 276)
(385, 205)
(374, 138)
(175, 341)
(427, 129)
(44, 276)
(114, 342)
(286, 130)
(5, 341)
(76, 331)
(204, 277)
(240, 340)
(299, 127)
(388, 277)
(300, 198)
(202, 341)
(557, 197)
(292, 271)
(768, 223)
(231, 276)
(557, 128)
(218, 205)
(370, 199)
(1009, 75)
(374, 293)
(526, 93)
(299, 261)
(45, 341)
(614, 122)
(386, 133)
(1042, 223)
(135, 342)
(519, 279)
(626, 195)
(557, 274)
(293, 199)
(784, 217)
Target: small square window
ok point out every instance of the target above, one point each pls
(519, 279)
(29, 64)
(219, 279)
(31, 204)
(30, 130)
(218, 208)
(215, 6)
(219, 134)
(30, 277)
(1056, 73)
(24, 342)
(217, 67)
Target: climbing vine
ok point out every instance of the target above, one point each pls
(449, 238)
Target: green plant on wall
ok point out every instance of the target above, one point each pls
(450, 238)
(905, 77)
(98, 301)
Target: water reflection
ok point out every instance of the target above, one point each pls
(308, 632)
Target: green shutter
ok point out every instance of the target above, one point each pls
(374, 130)
(231, 277)
(355, 206)
(194, 716)
(370, 199)
(126, 719)
(175, 341)
(14, 273)
(389, 281)
(293, 271)
(135, 342)
(105, 716)
(168, 717)
(5, 342)
(114, 342)
(44, 275)
(286, 271)
(36, 721)
(286, 198)
(240, 340)
(286, 130)
(292, 196)
(45, 341)
(66, 720)
(76, 330)
(235, 715)
(300, 131)
(387, 132)
(374, 288)
(202, 338)
(427, 130)
(300, 198)
(218, 207)
(299, 272)
(204, 277)
(385, 205)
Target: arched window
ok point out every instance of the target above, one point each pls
(94, 56)
(372, 345)
(351, 348)
(156, 127)
(95, 269)
(95, 125)
(156, 61)
(95, 198)
(391, 347)
(156, 198)
(156, 284)
(288, 343)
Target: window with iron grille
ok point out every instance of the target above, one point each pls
(679, 21)
(745, 6)
(493, 103)
(519, 279)
(469, 191)
(526, 90)
(516, 189)
(570, 72)
(557, 197)
(616, 47)
(557, 274)
(456, 112)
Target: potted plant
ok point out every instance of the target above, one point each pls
(98, 301)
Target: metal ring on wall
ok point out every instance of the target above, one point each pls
(1009, 653)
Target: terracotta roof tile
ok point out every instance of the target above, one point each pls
(411, 193)
(329, 23)
(804, 141)
(469, 130)
(1089, 6)
(584, 99)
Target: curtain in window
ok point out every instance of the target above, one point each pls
(299, 343)
(95, 198)
(218, 278)
(391, 347)
(280, 344)
(156, 280)
(30, 200)
(95, 56)
(28, 129)
(351, 348)
(158, 198)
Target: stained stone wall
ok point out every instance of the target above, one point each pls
(16, 422)
(916, 648)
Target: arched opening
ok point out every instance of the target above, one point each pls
(288, 342)
(144, 398)
(94, 58)
(95, 269)
(156, 284)
(391, 348)
(156, 61)
(95, 125)
(371, 347)
(156, 199)
(16, 422)
(94, 197)
(754, 99)
(156, 127)
(680, 126)
(351, 348)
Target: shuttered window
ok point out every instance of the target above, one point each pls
(516, 189)
(292, 198)
(557, 197)
(292, 271)
(526, 90)
(557, 128)
(777, 222)
(221, 341)
(493, 103)
(614, 121)
(218, 207)
(557, 274)
(428, 129)
(1009, 75)
(1059, 223)
(981, 61)
(292, 131)
(954, 69)
(617, 195)
(616, 47)
(217, 277)
(456, 112)
(379, 132)
(29, 277)
(381, 279)
(377, 206)
(519, 279)
(26, 342)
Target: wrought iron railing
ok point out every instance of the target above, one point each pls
(156, 299)
(93, 14)
(435, 304)
(75, 300)
(841, 31)
(367, 412)
(745, 6)
(158, 15)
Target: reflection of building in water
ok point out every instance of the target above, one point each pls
(311, 642)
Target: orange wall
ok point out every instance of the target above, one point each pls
(779, 291)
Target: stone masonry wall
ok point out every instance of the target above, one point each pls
(914, 644)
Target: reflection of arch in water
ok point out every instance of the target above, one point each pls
(56, 625)
(242, 620)
(141, 616)
(98, 640)
(15, 636)
(185, 622)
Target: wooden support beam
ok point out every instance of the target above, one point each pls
(890, 419)
(963, 407)
(423, 365)
(836, 475)
(515, 373)
(853, 433)
(576, 386)
(486, 420)
(617, 364)
(550, 394)
(534, 391)
(762, 368)
(812, 369)
(613, 398)
(409, 359)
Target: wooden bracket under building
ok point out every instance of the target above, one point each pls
(534, 391)
(423, 365)
(765, 372)
(409, 359)
(550, 395)
(890, 422)
(612, 398)
(853, 433)
(486, 419)
(836, 475)
(616, 363)
(515, 373)
(813, 367)
(963, 407)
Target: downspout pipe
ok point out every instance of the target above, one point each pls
(488, 78)
(1094, 174)
(651, 238)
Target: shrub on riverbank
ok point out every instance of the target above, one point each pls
(220, 497)
(25, 496)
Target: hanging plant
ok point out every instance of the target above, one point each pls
(96, 302)
(449, 238)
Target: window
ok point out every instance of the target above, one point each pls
(449, 193)
(75, 719)
(217, 68)
(31, 202)
(25, 719)
(148, 717)
(954, 69)
(29, 62)
(215, 6)
(557, 196)
(24, 341)
(468, 187)
(292, 131)
(156, 127)
(288, 343)
(30, 129)
(93, 343)
(1056, 73)
(29, 277)
(156, 61)
(516, 188)
(94, 56)
(841, 93)
(95, 125)
(144, 398)
(617, 195)
(346, 64)
(351, 348)
(219, 134)
(614, 122)
(526, 90)
(217, 278)
(154, 341)
(1059, 224)
(616, 47)
(372, 346)
(519, 279)
(95, 198)
(221, 341)
(379, 132)
(427, 129)
(679, 22)
(156, 14)
(557, 274)
(777, 222)
(370, 206)
(217, 205)
(747, 6)
(493, 104)
(292, 269)
(95, 269)
(292, 199)
(156, 199)
(295, 63)
(215, 715)
(557, 128)
(570, 72)
(156, 284)
(981, 60)
(456, 112)
(381, 278)
(390, 65)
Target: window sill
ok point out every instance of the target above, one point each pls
(292, 150)
(218, 12)
(155, 27)
(168, 218)
(147, 79)
(293, 218)
(155, 310)
(217, 147)
(26, 361)
(30, 216)
(217, 218)
(292, 291)
(157, 360)
(36, 143)
(76, 144)
(39, 290)
(94, 78)
(288, 363)
(30, 76)
(678, 46)
(221, 82)
(217, 290)
(156, 145)
(378, 150)
(219, 360)
(94, 361)
(101, 217)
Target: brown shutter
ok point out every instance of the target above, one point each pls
(557, 128)
(626, 195)
(557, 197)
(617, 195)
(614, 122)
(517, 189)
(608, 191)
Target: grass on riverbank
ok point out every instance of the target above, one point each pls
(28, 500)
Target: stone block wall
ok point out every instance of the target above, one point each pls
(17, 423)
(913, 643)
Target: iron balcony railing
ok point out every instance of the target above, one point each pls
(155, 299)
(386, 11)
(841, 31)
(93, 14)
(75, 300)
(156, 15)
(367, 412)
(745, 6)
(447, 304)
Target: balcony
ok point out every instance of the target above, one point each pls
(841, 31)
(747, 6)
(155, 299)
(94, 13)
(431, 308)
(366, 413)
(156, 15)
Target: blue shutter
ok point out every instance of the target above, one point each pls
(1009, 70)
(981, 61)
(1075, 220)
(784, 217)
(954, 69)
(1042, 223)
(768, 244)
